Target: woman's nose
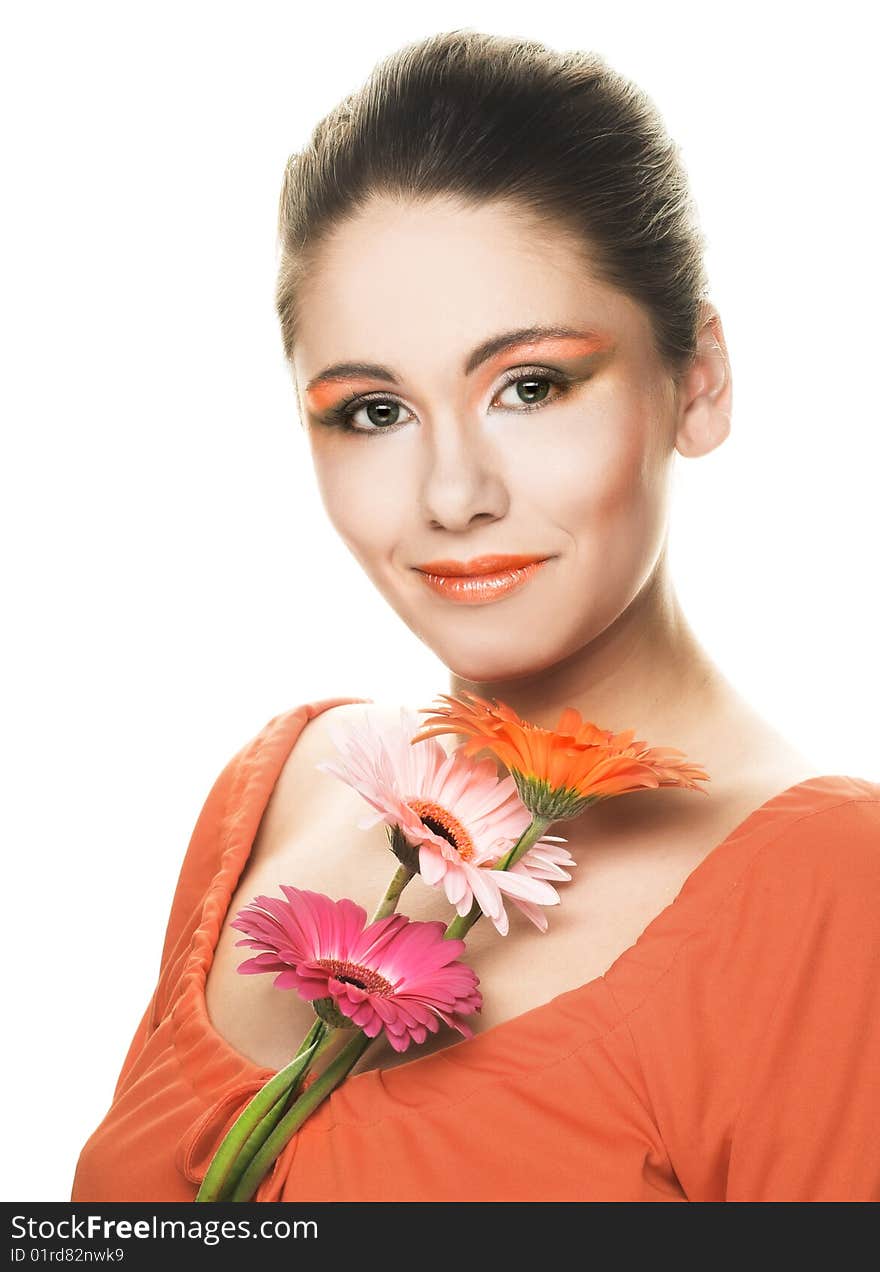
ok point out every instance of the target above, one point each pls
(462, 479)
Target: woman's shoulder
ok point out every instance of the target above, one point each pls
(302, 726)
(804, 896)
(291, 741)
(767, 1008)
(267, 780)
(797, 884)
(304, 736)
(314, 723)
(278, 781)
(828, 838)
(279, 756)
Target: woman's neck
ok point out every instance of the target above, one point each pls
(646, 671)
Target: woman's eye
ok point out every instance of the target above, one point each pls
(528, 391)
(377, 415)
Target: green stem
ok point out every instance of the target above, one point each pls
(388, 904)
(463, 923)
(335, 1072)
(257, 1136)
(260, 1118)
(262, 1103)
(527, 839)
(267, 1124)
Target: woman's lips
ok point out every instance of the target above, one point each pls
(486, 578)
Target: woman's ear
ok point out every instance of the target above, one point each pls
(705, 392)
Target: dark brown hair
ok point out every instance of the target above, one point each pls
(557, 134)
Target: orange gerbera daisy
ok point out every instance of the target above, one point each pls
(558, 772)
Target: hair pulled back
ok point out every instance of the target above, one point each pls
(558, 135)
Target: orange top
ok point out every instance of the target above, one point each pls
(731, 1053)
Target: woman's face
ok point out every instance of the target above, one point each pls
(467, 438)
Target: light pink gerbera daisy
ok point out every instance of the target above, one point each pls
(396, 974)
(456, 812)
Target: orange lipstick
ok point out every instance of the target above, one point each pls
(485, 578)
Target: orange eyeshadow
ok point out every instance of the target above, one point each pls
(548, 347)
(323, 395)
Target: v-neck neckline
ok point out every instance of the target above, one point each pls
(209, 1058)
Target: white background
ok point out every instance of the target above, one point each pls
(161, 528)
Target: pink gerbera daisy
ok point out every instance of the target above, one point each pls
(396, 974)
(456, 812)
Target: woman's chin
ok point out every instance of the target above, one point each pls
(495, 665)
(473, 645)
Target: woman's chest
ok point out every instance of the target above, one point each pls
(617, 888)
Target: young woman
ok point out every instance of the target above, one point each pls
(493, 303)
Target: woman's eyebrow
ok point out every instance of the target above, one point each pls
(582, 342)
(477, 356)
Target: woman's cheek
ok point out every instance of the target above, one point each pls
(361, 497)
(589, 468)
(605, 494)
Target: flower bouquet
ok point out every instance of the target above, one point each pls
(454, 822)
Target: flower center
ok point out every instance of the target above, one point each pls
(356, 974)
(438, 819)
